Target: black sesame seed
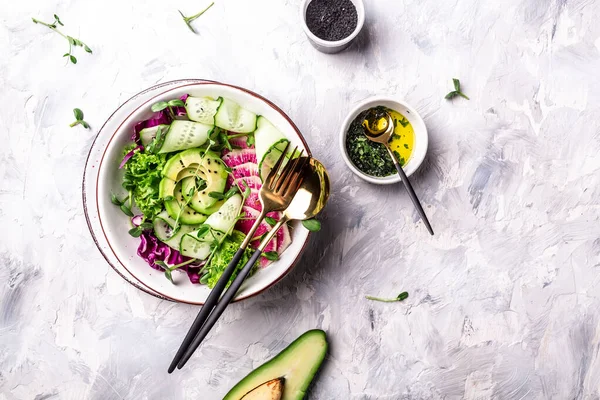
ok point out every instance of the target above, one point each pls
(331, 19)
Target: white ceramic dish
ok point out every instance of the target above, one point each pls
(326, 46)
(421, 137)
(109, 226)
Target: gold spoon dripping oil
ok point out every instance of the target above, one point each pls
(379, 127)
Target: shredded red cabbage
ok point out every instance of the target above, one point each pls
(159, 118)
(181, 111)
(129, 155)
(137, 220)
(151, 250)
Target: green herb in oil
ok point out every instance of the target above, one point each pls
(370, 157)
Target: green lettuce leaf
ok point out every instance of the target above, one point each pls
(221, 259)
(142, 179)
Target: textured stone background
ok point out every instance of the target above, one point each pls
(504, 300)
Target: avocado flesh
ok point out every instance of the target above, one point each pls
(192, 163)
(272, 390)
(188, 216)
(297, 364)
(184, 160)
(213, 174)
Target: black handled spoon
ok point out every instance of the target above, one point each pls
(379, 127)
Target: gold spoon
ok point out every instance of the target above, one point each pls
(379, 127)
(308, 201)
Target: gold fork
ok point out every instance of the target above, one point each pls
(276, 194)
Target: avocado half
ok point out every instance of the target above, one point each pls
(286, 376)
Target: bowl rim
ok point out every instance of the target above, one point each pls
(360, 14)
(84, 195)
(184, 83)
(422, 135)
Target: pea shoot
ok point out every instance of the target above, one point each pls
(190, 19)
(456, 91)
(312, 224)
(401, 297)
(79, 119)
(73, 42)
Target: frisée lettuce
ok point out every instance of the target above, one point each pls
(142, 179)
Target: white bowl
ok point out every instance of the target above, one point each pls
(109, 226)
(326, 46)
(421, 137)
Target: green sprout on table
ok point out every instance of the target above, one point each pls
(401, 297)
(190, 19)
(79, 119)
(73, 42)
(457, 91)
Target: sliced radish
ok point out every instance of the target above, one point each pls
(286, 239)
(240, 142)
(252, 181)
(237, 157)
(242, 171)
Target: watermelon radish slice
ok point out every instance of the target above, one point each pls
(242, 171)
(283, 235)
(237, 157)
(285, 240)
(253, 200)
(246, 224)
(240, 142)
(245, 172)
(253, 182)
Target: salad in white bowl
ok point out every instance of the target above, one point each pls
(193, 171)
(177, 189)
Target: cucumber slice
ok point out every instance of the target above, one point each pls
(163, 226)
(202, 109)
(174, 241)
(188, 216)
(221, 223)
(224, 219)
(147, 135)
(184, 135)
(199, 248)
(271, 156)
(270, 142)
(165, 231)
(232, 117)
(190, 246)
(266, 136)
(214, 208)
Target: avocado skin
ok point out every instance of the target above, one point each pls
(312, 346)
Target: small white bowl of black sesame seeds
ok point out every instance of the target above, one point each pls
(332, 25)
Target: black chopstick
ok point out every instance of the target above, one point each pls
(219, 308)
(211, 301)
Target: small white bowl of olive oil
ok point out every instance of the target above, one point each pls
(370, 161)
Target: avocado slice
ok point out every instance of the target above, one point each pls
(190, 167)
(272, 390)
(297, 364)
(214, 175)
(188, 216)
